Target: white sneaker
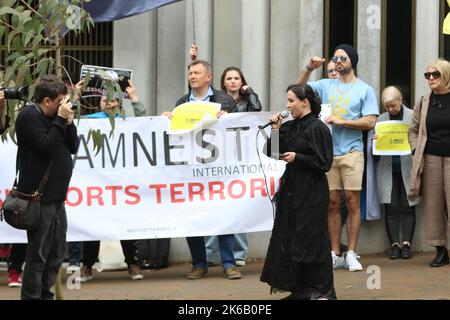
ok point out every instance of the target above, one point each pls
(85, 274)
(135, 272)
(338, 262)
(73, 268)
(352, 261)
(240, 263)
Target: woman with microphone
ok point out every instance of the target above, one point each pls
(298, 258)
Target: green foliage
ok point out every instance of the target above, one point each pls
(31, 32)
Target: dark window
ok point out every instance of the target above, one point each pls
(341, 26)
(399, 42)
(95, 48)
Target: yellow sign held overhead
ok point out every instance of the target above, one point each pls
(190, 115)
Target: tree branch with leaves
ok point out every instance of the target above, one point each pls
(31, 33)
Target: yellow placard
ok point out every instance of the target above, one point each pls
(188, 116)
(392, 138)
(446, 27)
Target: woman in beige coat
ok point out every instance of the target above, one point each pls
(429, 137)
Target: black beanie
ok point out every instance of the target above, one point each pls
(351, 52)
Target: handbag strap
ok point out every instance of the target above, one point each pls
(44, 179)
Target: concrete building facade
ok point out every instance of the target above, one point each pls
(272, 40)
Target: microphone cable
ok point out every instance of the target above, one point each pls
(284, 114)
(265, 177)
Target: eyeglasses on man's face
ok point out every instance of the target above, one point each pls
(435, 74)
(343, 59)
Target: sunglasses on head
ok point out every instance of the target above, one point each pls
(343, 59)
(435, 74)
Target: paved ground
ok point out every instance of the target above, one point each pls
(400, 279)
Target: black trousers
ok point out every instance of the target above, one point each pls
(45, 253)
(92, 248)
(399, 215)
(17, 257)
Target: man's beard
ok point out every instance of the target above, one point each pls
(344, 71)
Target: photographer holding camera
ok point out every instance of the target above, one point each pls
(46, 138)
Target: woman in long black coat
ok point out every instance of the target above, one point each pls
(298, 258)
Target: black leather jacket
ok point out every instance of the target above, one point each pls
(249, 103)
(224, 99)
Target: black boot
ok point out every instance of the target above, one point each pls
(441, 257)
(292, 296)
(406, 251)
(394, 252)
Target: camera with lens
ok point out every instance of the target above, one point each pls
(16, 93)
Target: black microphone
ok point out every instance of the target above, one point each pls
(283, 114)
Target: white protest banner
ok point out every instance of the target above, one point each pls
(147, 184)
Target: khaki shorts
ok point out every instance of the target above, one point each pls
(347, 172)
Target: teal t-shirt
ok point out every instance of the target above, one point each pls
(350, 102)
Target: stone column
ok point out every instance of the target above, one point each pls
(311, 34)
(284, 49)
(427, 42)
(255, 42)
(226, 37)
(127, 36)
(369, 43)
(199, 29)
(171, 55)
(427, 49)
(296, 35)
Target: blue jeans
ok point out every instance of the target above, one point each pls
(240, 247)
(74, 253)
(198, 251)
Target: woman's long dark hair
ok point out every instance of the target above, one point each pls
(304, 91)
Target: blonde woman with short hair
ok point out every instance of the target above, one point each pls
(393, 182)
